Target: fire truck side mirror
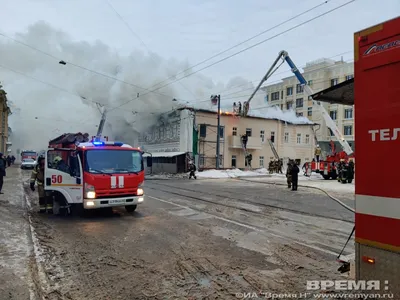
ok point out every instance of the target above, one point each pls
(149, 161)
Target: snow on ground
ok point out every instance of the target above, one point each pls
(315, 180)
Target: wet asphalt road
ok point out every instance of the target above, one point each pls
(206, 239)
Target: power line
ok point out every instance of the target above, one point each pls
(141, 41)
(82, 67)
(243, 42)
(247, 48)
(279, 73)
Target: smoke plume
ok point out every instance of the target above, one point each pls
(48, 98)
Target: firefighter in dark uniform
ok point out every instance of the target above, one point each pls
(289, 174)
(244, 141)
(295, 176)
(192, 170)
(271, 167)
(350, 176)
(38, 177)
(249, 158)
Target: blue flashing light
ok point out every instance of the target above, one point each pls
(98, 143)
(118, 143)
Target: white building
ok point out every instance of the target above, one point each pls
(320, 74)
(189, 132)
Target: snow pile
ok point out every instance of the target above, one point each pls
(230, 173)
(276, 113)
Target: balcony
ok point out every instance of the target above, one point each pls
(236, 142)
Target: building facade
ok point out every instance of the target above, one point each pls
(320, 74)
(266, 138)
(192, 134)
(5, 111)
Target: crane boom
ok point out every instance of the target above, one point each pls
(328, 120)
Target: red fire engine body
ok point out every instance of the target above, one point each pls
(377, 115)
(377, 133)
(25, 154)
(93, 174)
(328, 167)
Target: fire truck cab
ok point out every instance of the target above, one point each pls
(93, 174)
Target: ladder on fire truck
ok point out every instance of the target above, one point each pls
(271, 144)
(246, 153)
(284, 56)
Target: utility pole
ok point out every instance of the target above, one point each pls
(218, 129)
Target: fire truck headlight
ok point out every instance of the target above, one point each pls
(139, 192)
(90, 195)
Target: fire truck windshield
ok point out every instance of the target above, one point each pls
(99, 161)
(26, 153)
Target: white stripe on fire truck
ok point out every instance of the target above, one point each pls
(113, 182)
(121, 181)
(378, 206)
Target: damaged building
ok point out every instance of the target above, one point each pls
(191, 134)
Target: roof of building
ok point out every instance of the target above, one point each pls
(342, 93)
(250, 115)
(164, 154)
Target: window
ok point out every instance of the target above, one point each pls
(310, 82)
(203, 130)
(248, 131)
(115, 161)
(348, 77)
(299, 138)
(299, 114)
(261, 161)
(273, 136)
(307, 139)
(275, 96)
(309, 111)
(201, 160)
(286, 138)
(289, 91)
(221, 132)
(63, 161)
(334, 81)
(281, 94)
(289, 105)
(266, 98)
(299, 88)
(299, 102)
(234, 131)
(233, 161)
(330, 132)
(348, 113)
(333, 114)
(262, 135)
(348, 130)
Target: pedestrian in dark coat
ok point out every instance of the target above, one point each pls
(3, 166)
(295, 176)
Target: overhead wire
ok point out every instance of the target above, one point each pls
(81, 67)
(245, 49)
(245, 41)
(141, 41)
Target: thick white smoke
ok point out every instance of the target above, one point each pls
(48, 98)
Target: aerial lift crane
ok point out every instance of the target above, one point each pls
(284, 56)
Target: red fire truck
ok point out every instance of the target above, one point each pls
(375, 94)
(26, 154)
(92, 174)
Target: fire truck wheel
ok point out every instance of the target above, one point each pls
(334, 176)
(326, 177)
(130, 208)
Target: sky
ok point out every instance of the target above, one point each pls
(177, 33)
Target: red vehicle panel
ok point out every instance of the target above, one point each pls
(377, 127)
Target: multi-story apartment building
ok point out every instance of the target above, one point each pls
(188, 133)
(5, 111)
(320, 74)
